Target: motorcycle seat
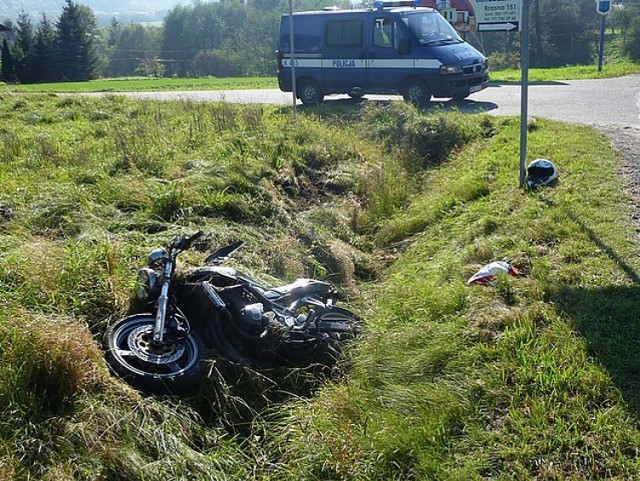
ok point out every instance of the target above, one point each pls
(299, 288)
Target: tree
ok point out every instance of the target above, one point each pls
(45, 52)
(113, 32)
(149, 67)
(631, 47)
(23, 49)
(562, 32)
(623, 18)
(212, 63)
(8, 73)
(136, 47)
(76, 42)
(537, 54)
(243, 32)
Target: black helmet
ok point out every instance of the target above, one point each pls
(541, 172)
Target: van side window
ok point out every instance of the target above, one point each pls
(386, 33)
(344, 33)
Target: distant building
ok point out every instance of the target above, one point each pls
(459, 13)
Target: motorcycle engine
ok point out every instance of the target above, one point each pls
(262, 323)
(253, 314)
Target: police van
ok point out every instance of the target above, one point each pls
(387, 49)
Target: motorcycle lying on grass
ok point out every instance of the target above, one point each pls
(220, 311)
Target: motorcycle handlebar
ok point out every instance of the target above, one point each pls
(185, 242)
(195, 236)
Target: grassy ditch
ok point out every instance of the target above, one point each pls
(89, 186)
(535, 378)
(532, 378)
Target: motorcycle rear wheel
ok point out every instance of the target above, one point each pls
(168, 368)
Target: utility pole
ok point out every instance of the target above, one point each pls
(293, 57)
(602, 7)
(524, 95)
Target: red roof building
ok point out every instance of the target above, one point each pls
(459, 13)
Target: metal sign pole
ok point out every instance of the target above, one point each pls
(601, 52)
(293, 57)
(524, 96)
(603, 7)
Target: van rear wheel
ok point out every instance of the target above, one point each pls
(417, 92)
(310, 92)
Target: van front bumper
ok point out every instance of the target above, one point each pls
(461, 86)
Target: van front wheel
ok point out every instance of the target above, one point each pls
(310, 92)
(417, 92)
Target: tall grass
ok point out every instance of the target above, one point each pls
(89, 186)
(530, 379)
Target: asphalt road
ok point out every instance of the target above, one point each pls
(612, 102)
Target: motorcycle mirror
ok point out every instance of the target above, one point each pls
(223, 253)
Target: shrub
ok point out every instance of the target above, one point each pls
(504, 60)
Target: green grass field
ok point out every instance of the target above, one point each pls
(148, 84)
(580, 72)
(531, 379)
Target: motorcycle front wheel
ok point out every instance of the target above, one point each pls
(170, 367)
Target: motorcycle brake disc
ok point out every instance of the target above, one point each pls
(141, 344)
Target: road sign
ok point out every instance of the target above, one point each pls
(603, 6)
(499, 27)
(497, 15)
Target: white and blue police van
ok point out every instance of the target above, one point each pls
(386, 49)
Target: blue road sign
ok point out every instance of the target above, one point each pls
(603, 6)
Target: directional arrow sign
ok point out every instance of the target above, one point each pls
(498, 27)
(496, 15)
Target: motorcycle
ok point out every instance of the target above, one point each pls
(220, 310)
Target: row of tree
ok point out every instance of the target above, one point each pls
(627, 20)
(66, 50)
(237, 38)
(565, 32)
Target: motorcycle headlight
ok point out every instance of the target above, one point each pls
(146, 281)
(155, 258)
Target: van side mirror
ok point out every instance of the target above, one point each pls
(403, 46)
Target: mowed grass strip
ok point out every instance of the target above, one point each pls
(147, 84)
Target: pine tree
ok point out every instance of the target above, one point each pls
(23, 49)
(45, 52)
(8, 74)
(77, 56)
(113, 32)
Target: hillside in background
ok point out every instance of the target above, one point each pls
(134, 10)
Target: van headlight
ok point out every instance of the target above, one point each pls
(147, 279)
(450, 69)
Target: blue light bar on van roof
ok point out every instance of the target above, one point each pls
(380, 4)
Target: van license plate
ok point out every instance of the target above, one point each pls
(475, 88)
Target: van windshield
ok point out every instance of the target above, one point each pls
(431, 28)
